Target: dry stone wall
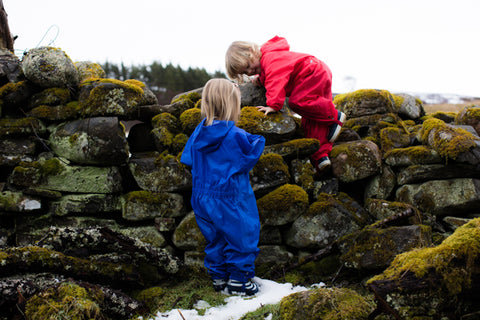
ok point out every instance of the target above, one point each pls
(80, 152)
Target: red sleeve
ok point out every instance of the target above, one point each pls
(277, 69)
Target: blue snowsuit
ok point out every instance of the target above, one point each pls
(221, 156)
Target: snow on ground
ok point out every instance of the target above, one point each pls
(236, 306)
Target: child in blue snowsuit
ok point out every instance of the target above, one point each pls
(220, 156)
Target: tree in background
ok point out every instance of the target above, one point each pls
(164, 81)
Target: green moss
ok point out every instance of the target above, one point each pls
(134, 85)
(325, 304)
(69, 111)
(135, 82)
(454, 260)
(51, 167)
(255, 122)
(166, 120)
(469, 113)
(146, 197)
(190, 119)
(88, 70)
(270, 311)
(398, 101)
(416, 152)
(21, 126)
(164, 158)
(179, 142)
(11, 87)
(270, 163)
(68, 301)
(182, 292)
(447, 141)
(53, 96)
(393, 137)
(283, 197)
(351, 100)
(190, 98)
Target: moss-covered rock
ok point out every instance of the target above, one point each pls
(423, 173)
(49, 67)
(448, 141)
(269, 172)
(18, 202)
(72, 204)
(276, 127)
(381, 186)
(326, 304)
(356, 160)
(412, 156)
(190, 119)
(434, 282)
(364, 102)
(109, 97)
(31, 259)
(470, 115)
(166, 120)
(68, 300)
(294, 149)
(146, 205)
(99, 141)
(56, 175)
(439, 197)
(376, 248)
(87, 70)
(409, 106)
(326, 220)
(282, 205)
(69, 111)
(50, 97)
(187, 235)
(162, 174)
(21, 127)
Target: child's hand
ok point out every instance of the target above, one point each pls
(256, 81)
(267, 110)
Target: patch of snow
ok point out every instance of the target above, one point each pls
(270, 292)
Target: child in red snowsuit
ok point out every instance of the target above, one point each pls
(303, 78)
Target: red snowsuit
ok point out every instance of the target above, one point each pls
(307, 82)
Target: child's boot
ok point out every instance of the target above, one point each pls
(219, 284)
(334, 129)
(248, 288)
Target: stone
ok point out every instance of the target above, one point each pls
(49, 67)
(325, 221)
(91, 141)
(409, 106)
(376, 248)
(356, 160)
(160, 175)
(364, 102)
(441, 197)
(188, 236)
(283, 205)
(146, 205)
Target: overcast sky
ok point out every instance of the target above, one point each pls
(398, 45)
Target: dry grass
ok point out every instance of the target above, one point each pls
(445, 107)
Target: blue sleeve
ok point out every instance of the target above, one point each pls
(251, 146)
(186, 158)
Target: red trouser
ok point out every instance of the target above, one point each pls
(311, 98)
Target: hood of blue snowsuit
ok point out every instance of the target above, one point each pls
(220, 154)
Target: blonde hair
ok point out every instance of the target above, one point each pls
(238, 56)
(220, 101)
